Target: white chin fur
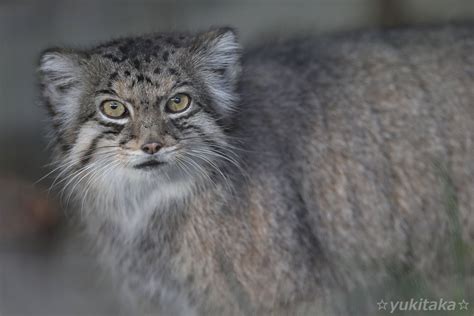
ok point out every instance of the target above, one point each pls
(128, 198)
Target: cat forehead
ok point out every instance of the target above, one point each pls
(132, 66)
(142, 49)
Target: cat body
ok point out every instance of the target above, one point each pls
(298, 170)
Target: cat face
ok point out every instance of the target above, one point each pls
(151, 107)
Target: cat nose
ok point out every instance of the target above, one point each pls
(151, 148)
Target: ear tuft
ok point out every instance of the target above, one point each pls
(217, 55)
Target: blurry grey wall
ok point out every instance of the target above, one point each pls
(27, 27)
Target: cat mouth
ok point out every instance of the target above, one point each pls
(151, 164)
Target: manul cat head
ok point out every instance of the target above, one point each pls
(153, 105)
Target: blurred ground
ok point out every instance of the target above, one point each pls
(53, 275)
(45, 268)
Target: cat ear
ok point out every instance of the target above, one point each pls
(60, 76)
(217, 55)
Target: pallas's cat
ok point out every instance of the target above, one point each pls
(233, 182)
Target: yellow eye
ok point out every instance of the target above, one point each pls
(178, 103)
(113, 109)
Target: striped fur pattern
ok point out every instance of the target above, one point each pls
(303, 174)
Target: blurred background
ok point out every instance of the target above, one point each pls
(46, 268)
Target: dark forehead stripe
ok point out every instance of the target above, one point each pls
(143, 78)
(112, 78)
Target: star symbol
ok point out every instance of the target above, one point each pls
(382, 305)
(463, 305)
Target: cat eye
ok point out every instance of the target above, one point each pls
(113, 109)
(178, 103)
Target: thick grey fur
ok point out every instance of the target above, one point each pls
(345, 161)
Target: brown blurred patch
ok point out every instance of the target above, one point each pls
(25, 209)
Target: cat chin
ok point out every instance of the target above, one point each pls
(130, 191)
(127, 198)
(164, 178)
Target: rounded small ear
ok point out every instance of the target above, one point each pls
(217, 57)
(60, 76)
(220, 50)
(59, 68)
